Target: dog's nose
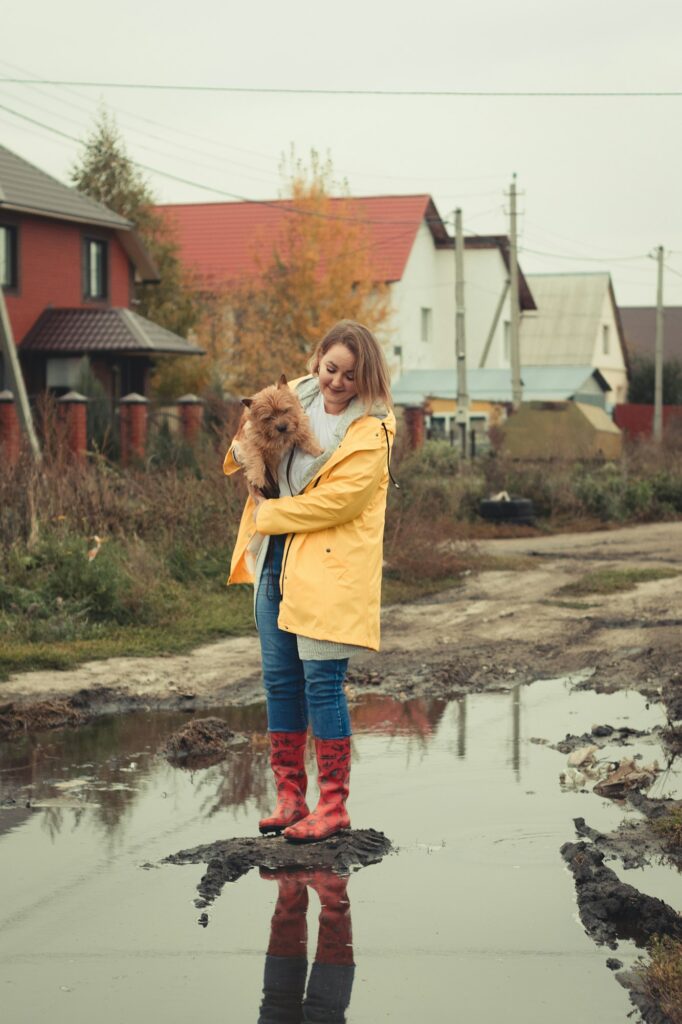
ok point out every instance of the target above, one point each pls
(281, 427)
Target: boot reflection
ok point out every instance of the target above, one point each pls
(285, 998)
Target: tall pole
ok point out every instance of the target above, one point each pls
(8, 350)
(658, 358)
(517, 389)
(462, 417)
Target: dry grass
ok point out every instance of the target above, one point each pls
(662, 977)
(669, 827)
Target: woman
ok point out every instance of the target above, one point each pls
(318, 578)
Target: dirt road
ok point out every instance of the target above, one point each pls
(499, 628)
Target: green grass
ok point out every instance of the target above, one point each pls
(669, 828)
(204, 615)
(580, 606)
(613, 581)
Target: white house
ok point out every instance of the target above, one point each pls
(576, 323)
(412, 252)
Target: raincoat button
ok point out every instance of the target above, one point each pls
(328, 550)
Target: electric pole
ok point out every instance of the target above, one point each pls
(8, 350)
(515, 353)
(462, 416)
(658, 357)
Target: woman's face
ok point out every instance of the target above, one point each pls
(337, 377)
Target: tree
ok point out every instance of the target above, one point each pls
(315, 271)
(641, 388)
(105, 172)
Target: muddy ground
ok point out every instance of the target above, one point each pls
(497, 629)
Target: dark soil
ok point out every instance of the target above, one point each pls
(634, 843)
(44, 714)
(599, 736)
(611, 910)
(199, 744)
(229, 859)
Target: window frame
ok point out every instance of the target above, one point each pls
(88, 242)
(426, 324)
(12, 286)
(606, 339)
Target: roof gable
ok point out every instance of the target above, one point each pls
(639, 325)
(26, 189)
(569, 312)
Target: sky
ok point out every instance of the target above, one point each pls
(598, 177)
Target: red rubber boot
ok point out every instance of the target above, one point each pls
(288, 928)
(333, 776)
(287, 760)
(335, 934)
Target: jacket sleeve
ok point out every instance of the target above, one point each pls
(337, 499)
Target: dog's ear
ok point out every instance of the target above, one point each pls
(248, 402)
(282, 382)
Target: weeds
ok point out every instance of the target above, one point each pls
(662, 977)
(613, 581)
(669, 827)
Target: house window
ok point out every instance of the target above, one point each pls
(95, 269)
(64, 373)
(426, 326)
(506, 342)
(605, 340)
(8, 256)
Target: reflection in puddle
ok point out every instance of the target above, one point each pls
(326, 997)
(478, 901)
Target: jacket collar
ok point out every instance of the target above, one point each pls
(307, 389)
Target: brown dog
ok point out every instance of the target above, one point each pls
(273, 423)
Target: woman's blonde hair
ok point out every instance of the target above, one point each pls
(372, 379)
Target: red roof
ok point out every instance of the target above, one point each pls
(218, 240)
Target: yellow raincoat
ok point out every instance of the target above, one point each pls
(331, 569)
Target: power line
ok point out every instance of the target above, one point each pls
(585, 259)
(427, 93)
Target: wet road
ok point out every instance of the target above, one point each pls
(473, 919)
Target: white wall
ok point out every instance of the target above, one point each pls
(611, 363)
(429, 282)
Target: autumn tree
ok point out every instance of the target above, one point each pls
(317, 269)
(105, 172)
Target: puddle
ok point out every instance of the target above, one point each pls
(474, 918)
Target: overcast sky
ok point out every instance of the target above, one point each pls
(600, 176)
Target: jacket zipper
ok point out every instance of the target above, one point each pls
(287, 549)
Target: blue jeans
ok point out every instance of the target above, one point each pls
(296, 691)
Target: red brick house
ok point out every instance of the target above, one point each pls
(68, 266)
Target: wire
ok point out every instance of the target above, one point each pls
(672, 270)
(584, 259)
(427, 93)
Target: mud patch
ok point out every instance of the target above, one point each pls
(229, 859)
(610, 909)
(199, 744)
(44, 714)
(635, 843)
(600, 736)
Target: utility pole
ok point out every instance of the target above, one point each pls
(9, 352)
(658, 363)
(462, 417)
(517, 388)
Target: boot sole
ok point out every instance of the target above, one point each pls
(315, 839)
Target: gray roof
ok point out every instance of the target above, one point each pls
(27, 189)
(76, 331)
(540, 384)
(569, 313)
(639, 325)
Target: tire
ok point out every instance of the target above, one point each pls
(516, 510)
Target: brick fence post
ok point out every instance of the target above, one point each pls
(73, 413)
(416, 427)
(10, 435)
(134, 410)
(191, 413)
